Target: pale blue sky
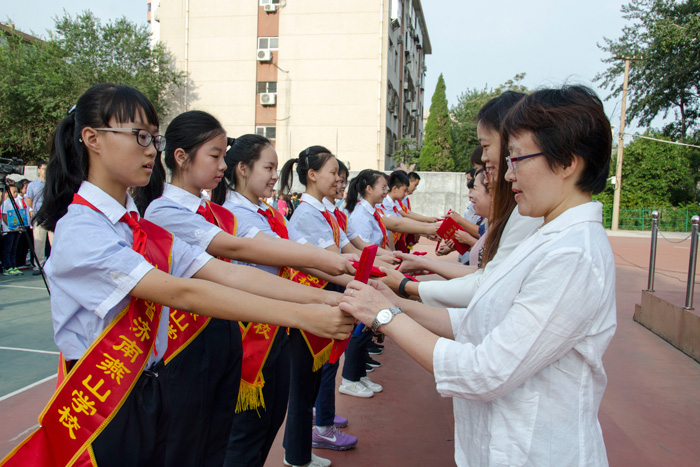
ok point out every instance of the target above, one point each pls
(475, 44)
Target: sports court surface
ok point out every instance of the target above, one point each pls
(650, 413)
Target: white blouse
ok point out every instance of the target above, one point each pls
(525, 369)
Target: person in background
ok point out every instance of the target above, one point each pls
(35, 198)
(10, 236)
(23, 244)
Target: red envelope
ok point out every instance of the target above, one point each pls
(447, 231)
(362, 274)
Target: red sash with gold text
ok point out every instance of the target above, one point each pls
(320, 347)
(99, 383)
(184, 327)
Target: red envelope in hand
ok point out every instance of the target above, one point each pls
(362, 274)
(374, 271)
(447, 231)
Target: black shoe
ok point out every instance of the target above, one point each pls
(368, 368)
(375, 349)
(372, 362)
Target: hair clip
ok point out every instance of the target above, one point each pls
(72, 109)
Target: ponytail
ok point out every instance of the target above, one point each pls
(358, 186)
(69, 161)
(311, 158)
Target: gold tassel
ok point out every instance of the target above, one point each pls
(322, 358)
(250, 396)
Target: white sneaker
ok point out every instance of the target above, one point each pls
(355, 388)
(316, 461)
(371, 385)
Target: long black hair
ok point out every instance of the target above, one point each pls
(188, 131)
(311, 158)
(358, 186)
(245, 149)
(69, 161)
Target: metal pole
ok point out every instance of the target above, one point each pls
(652, 254)
(690, 289)
(620, 144)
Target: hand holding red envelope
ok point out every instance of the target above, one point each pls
(363, 271)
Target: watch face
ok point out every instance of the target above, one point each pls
(384, 316)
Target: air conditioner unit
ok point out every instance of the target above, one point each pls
(268, 98)
(405, 85)
(271, 8)
(264, 55)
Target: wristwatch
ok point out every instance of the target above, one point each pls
(385, 316)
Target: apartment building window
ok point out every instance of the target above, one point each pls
(266, 86)
(270, 43)
(269, 132)
(268, 2)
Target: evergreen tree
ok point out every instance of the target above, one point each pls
(437, 142)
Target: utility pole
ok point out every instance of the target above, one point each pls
(620, 146)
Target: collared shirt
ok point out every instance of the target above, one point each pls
(390, 207)
(363, 224)
(176, 211)
(525, 369)
(309, 222)
(91, 278)
(35, 192)
(332, 208)
(251, 223)
(458, 292)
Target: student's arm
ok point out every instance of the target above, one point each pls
(273, 251)
(404, 225)
(418, 217)
(360, 244)
(210, 299)
(253, 280)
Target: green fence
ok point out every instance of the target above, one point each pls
(670, 220)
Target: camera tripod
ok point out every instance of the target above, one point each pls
(5, 188)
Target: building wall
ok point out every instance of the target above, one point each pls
(332, 69)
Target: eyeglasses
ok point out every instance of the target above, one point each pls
(143, 137)
(512, 160)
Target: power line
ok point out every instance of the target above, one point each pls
(634, 135)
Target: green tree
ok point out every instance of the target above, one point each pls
(657, 174)
(437, 142)
(663, 39)
(43, 79)
(408, 152)
(464, 118)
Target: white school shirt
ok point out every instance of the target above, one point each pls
(4, 209)
(390, 207)
(363, 224)
(308, 221)
(92, 274)
(458, 292)
(251, 223)
(525, 369)
(330, 207)
(176, 211)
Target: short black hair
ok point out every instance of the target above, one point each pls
(565, 123)
(413, 176)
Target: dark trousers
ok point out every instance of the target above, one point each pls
(9, 250)
(254, 431)
(131, 438)
(23, 248)
(325, 401)
(304, 385)
(355, 357)
(200, 388)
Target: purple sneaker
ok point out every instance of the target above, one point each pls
(338, 421)
(332, 438)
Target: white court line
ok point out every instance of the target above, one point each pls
(23, 287)
(29, 350)
(7, 396)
